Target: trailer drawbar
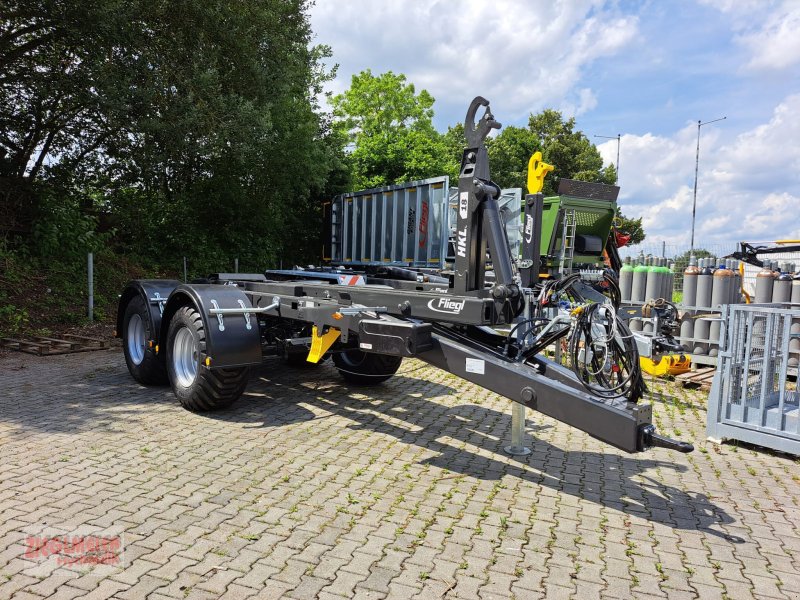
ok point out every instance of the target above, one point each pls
(487, 317)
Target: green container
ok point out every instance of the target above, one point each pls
(592, 217)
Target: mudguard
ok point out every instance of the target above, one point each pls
(232, 340)
(155, 293)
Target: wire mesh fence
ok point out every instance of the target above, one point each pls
(678, 255)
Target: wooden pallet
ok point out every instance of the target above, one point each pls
(701, 378)
(47, 346)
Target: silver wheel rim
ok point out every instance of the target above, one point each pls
(136, 339)
(184, 357)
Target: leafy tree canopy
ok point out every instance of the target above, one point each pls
(632, 227)
(389, 129)
(568, 150)
(191, 123)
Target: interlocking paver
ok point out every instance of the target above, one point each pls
(307, 488)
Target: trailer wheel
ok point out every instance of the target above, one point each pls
(363, 368)
(143, 364)
(196, 387)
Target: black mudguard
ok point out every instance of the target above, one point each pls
(155, 293)
(230, 343)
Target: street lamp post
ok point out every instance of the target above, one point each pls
(615, 137)
(696, 169)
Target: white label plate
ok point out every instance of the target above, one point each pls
(476, 365)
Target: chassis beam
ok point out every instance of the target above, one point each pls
(544, 387)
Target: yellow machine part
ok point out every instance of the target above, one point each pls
(670, 364)
(320, 344)
(536, 173)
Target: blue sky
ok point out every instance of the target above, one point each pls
(646, 70)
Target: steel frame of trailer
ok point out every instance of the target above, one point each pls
(239, 319)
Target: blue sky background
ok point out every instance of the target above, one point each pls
(646, 70)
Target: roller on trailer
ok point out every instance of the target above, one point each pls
(486, 316)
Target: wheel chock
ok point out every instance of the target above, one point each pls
(320, 344)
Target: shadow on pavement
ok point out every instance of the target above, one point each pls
(618, 481)
(468, 438)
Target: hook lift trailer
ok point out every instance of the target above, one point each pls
(202, 338)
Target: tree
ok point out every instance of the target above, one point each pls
(683, 258)
(195, 124)
(454, 142)
(568, 150)
(631, 227)
(389, 129)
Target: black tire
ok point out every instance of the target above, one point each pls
(137, 331)
(363, 368)
(197, 388)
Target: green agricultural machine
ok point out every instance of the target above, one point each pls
(575, 227)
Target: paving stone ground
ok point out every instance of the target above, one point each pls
(309, 489)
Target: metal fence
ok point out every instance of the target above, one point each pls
(752, 399)
(678, 255)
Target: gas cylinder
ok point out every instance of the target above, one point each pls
(782, 285)
(670, 281)
(665, 292)
(652, 286)
(690, 282)
(638, 286)
(703, 301)
(764, 281)
(626, 279)
(794, 343)
(796, 289)
(736, 286)
(722, 280)
(689, 296)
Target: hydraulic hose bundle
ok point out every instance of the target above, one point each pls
(603, 354)
(601, 349)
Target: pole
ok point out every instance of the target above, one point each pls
(235, 265)
(184, 270)
(517, 447)
(90, 268)
(696, 170)
(663, 249)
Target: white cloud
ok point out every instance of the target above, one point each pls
(770, 31)
(525, 56)
(777, 44)
(586, 101)
(748, 188)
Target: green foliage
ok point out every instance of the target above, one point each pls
(193, 127)
(568, 150)
(683, 259)
(454, 142)
(390, 131)
(632, 227)
(63, 230)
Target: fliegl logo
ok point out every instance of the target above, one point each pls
(447, 305)
(528, 229)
